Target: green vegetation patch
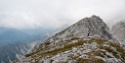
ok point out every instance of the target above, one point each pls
(66, 47)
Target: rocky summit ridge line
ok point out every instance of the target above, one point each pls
(87, 41)
(93, 26)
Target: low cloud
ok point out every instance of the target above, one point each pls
(57, 13)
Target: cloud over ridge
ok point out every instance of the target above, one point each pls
(56, 13)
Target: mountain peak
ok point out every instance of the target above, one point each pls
(86, 27)
(92, 18)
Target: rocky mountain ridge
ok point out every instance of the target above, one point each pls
(85, 27)
(87, 41)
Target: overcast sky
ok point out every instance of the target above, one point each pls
(57, 13)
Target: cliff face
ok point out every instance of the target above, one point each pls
(87, 41)
(118, 30)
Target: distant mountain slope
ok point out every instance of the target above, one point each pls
(15, 42)
(11, 52)
(87, 41)
(8, 52)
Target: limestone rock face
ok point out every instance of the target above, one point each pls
(118, 30)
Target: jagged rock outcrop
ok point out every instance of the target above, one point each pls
(118, 30)
(87, 41)
(93, 26)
